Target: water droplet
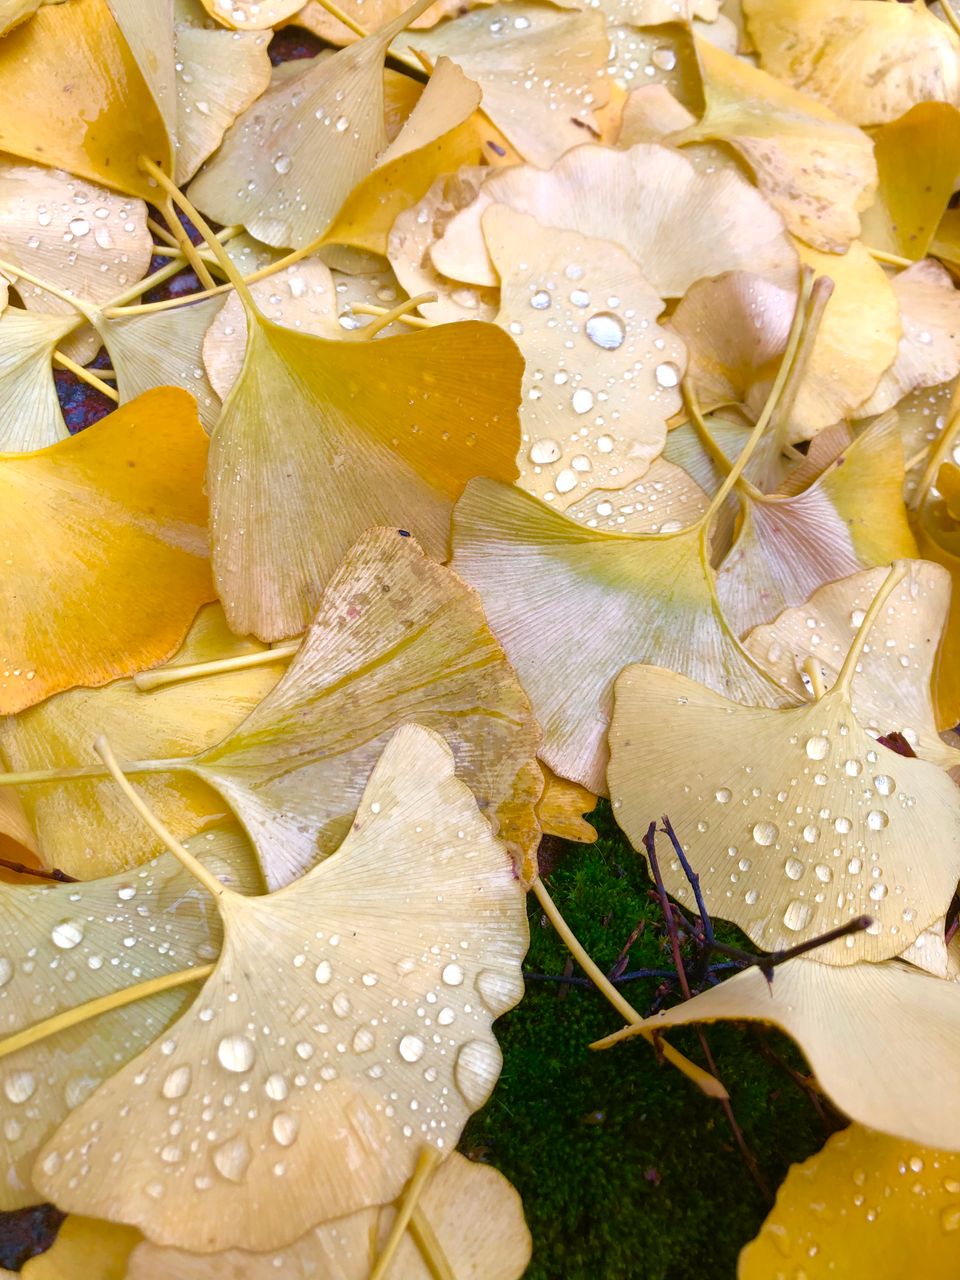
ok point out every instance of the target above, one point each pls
(765, 833)
(411, 1048)
(341, 124)
(724, 795)
(67, 934)
(843, 826)
(276, 1087)
(236, 1053)
(565, 481)
(794, 868)
(667, 374)
(50, 1164)
(323, 972)
(452, 975)
(950, 1217)
(884, 784)
(285, 1128)
(19, 1086)
(878, 892)
(126, 892)
(177, 1082)
(364, 1040)
(282, 164)
(476, 1070)
(499, 991)
(852, 768)
(6, 971)
(664, 58)
(823, 873)
(817, 747)
(606, 330)
(231, 1159)
(877, 819)
(580, 298)
(582, 400)
(810, 833)
(341, 1004)
(797, 915)
(540, 300)
(544, 451)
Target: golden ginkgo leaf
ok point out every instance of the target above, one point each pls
(852, 517)
(839, 51)
(473, 1213)
(650, 598)
(665, 500)
(13, 12)
(412, 236)
(318, 440)
(601, 376)
(866, 1204)
(918, 159)
(260, 16)
(542, 72)
(80, 236)
(80, 69)
(677, 224)
(133, 481)
(366, 986)
(314, 17)
(292, 158)
(938, 537)
(62, 945)
(562, 809)
(891, 687)
(396, 638)
(871, 1033)
(796, 820)
(816, 169)
(86, 829)
(30, 408)
(929, 348)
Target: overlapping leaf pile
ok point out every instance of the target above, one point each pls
(553, 402)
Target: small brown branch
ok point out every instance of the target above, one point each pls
(21, 869)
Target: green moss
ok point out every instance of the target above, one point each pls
(625, 1168)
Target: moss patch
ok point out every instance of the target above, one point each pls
(625, 1169)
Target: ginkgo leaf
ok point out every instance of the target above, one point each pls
(411, 938)
(647, 597)
(64, 944)
(562, 807)
(665, 500)
(891, 688)
(866, 1204)
(219, 75)
(291, 159)
(397, 637)
(148, 30)
(918, 159)
(13, 12)
(259, 16)
(132, 482)
(300, 297)
(31, 414)
(816, 169)
(796, 820)
(373, 13)
(938, 537)
(412, 236)
(678, 225)
(80, 69)
(85, 1249)
(852, 517)
(318, 440)
(474, 1213)
(542, 72)
(86, 829)
(874, 1034)
(162, 348)
(438, 137)
(601, 376)
(78, 235)
(930, 952)
(929, 349)
(839, 51)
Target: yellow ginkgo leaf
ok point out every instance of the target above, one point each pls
(929, 349)
(78, 235)
(562, 809)
(816, 169)
(938, 537)
(839, 51)
(542, 72)
(80, 69)
(852, 517)
(601, 376)
(31, 415)
(62, 945)
(219, 75)
(412, 236)
(85, 1249)
(474, 1217)
(877, 1037)
(258, 16)
(13, 12)
(313, 1010)
(918, 160)
(86, 829)
(677, 224)
(891, 688)
(373, 14)
(318, 440)
(665, 500)
(292, 158)
(796, 820)
(133, 481)
(439, 137)
(648, 598)
(866, 1204)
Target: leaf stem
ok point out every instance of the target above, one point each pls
(86, 375)
(719, 458)
(430, 1247)
(88, 312)
(943, 447)
(814, 673)
(710, 1086)
(369, 309)
(102, 1004)
(184, 856)
(187, 247)
(898, 571)
(427, 1160)
(162, 676)
(395, 313)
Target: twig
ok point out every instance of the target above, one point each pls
(21, 869)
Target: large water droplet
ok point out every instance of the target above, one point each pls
(276, 1087)
(323, 972)
(476, 1070)
(582, 400)
(236, 1053)
(411, 1048)
(67, 934)
(540, 300)
(499, 991)
(452, 975)
(667, 374)
(606, 330)
(793, 868)
(884, 784)
(817, 747)
(285, 1128)
(177, 1082)
(6, 971)
(878, 892)
(363, 1040)
(877, 819)
(797, 915)
(765, 833)
(724, 795)
(19, 1086)
(545, 451)
(950, 1217)
(231, 1159)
